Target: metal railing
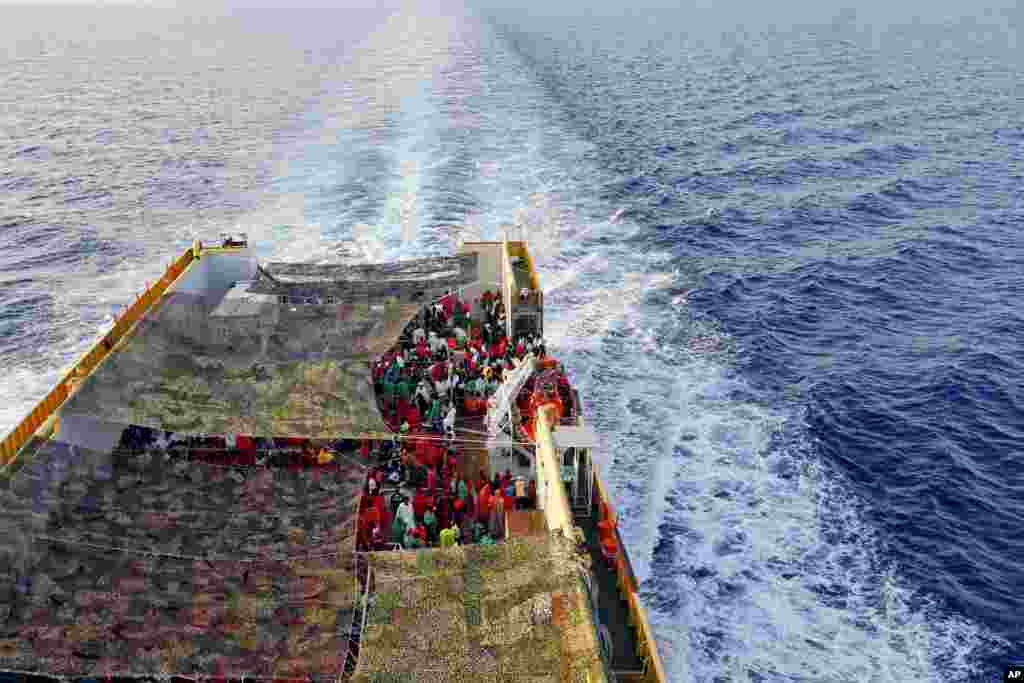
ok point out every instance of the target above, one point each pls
(43, 410)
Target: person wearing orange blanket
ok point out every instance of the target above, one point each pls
(448, 303)
(484, 506)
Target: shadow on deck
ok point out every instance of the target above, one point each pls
(613, 612)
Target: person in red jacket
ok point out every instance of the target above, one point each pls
(448, 302)
(419, 504)
(438, 372)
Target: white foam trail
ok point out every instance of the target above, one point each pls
(766, 566)
(774, 569)
(552, 279)
(592, 320)
(280, 230)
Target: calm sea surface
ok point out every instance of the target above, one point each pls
(784, 263)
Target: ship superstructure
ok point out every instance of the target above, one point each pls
(234, 482)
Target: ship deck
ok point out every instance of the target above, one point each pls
(135, 544)
(612, 610)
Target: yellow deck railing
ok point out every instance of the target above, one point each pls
(14, 442)
(557, 512)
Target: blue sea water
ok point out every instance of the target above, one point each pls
(781, 249)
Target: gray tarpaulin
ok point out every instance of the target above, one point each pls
(288, 353)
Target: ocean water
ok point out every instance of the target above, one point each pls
(781, 249)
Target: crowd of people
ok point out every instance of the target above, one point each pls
(447, 364)
(461, 511)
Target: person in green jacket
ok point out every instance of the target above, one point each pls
(430, 521)
(462, 491)
(404, 388)
(398, 530)
(434, 414)
(447, 537)
(486, 540)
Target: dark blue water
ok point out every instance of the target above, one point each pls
(783, 261)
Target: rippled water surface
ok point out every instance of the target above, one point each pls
(785, 266)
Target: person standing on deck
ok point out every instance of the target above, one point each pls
(447, 538)
(497, 526)
(398, 531)
(449, 422)
(434, 415)
(430, 522)
(423, 396)
(405, 513)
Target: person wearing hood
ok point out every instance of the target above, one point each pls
(449, 422)
(419, 504)
(423, 396)
(449, 536)
(430, 523)
(434, 415)
(483, 508)
(405, 513)
(398, 531)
